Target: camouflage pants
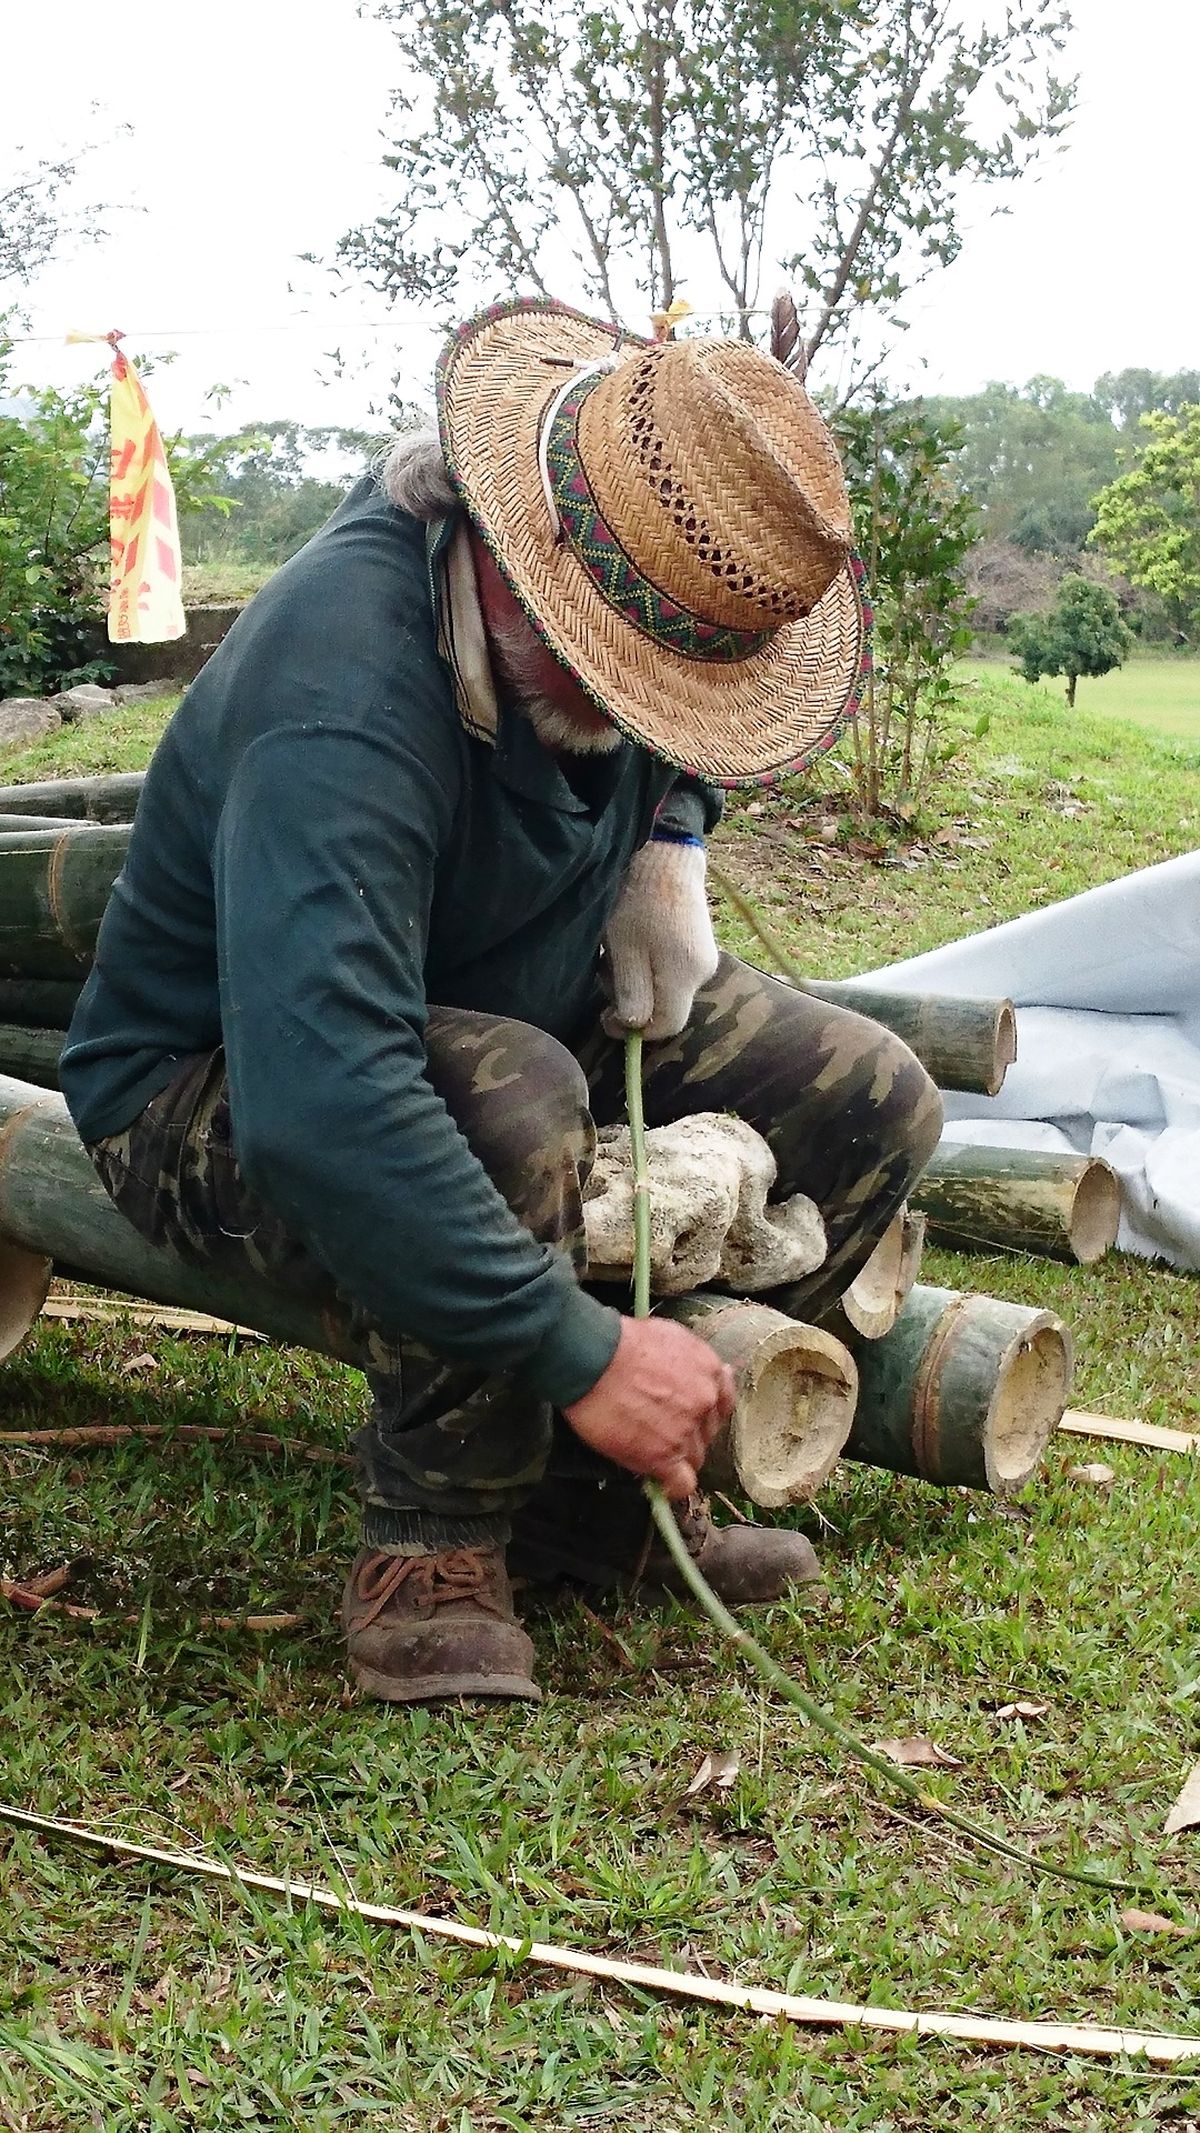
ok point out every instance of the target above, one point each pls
(850, 1116)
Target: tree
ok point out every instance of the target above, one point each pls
(1033, 457)
(1082, 634)
(38, 211)
(1148, 519)
(276, 500)
(915, 528)
(54, 533)
(622, 151)
(1127, 395)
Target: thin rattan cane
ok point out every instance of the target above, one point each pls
(751, 719)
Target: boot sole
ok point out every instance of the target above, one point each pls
(434, 1688)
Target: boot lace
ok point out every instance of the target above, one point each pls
(692, 1519)
(433, 1581)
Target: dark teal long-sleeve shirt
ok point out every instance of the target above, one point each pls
(320, 849)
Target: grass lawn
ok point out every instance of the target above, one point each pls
(1163, 694)
(141, 2000)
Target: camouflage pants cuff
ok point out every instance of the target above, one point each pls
(386, 1527)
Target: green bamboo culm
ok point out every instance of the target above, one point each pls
(895, 1779)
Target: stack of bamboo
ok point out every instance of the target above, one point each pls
(959, 1389)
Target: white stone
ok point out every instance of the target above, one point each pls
(709, 1219)
(86, 700)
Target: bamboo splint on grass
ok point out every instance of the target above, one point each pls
(897, 1780)
(1080, 2037)
(1117, 1429)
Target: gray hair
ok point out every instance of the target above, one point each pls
(414, 477)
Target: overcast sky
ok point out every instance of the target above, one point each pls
(257, 128)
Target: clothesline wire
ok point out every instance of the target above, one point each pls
(294, 325)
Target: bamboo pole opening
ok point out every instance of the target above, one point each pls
(1006, 1043)
(875, 1297)
(796, 1389)
(1095, 1213)
(1032, 1383)
(24, 1287)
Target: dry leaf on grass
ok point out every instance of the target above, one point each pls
(716, 1772)
(1022, 1710)
(1096, 1475)
(1153, 1922)
(145, 1361)
(1186, 1811)
(914, 1750)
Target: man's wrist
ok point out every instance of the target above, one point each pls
(574, 1355)
(663, 833)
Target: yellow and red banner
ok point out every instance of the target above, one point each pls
(145, 601)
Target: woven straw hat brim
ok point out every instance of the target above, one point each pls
(754, 719)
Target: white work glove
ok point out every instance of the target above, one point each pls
(659, 947)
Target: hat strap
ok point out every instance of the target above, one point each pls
(588, 371)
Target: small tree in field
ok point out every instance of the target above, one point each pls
(915, 529)
(1082, 634)
(1148, 519)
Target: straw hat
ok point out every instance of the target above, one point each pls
(673, 519)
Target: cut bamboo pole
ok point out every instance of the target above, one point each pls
(877, 1295)
(31, 1054)
(796, 1388)
(24, 1286)
(1021, 1200)
(99, 799)
(964, 1390)
(26, 822)
(962, 1044)
(53, 1206)
(38, 1003)
(649, 1977)
(54, 885)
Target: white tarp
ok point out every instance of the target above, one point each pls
(1108, 1041)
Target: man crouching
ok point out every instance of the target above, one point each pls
(423, 840)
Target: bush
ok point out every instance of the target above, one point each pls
(54, 532)
(915, 530)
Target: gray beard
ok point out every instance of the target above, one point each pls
(556, 729)
(511, 650)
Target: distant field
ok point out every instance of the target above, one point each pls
(1161, 693)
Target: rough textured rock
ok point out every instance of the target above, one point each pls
(141, 692)
(86, 700)
(25, 718)
(709, 1219)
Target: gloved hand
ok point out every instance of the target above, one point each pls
(659, 946)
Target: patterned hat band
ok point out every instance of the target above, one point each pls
(612, 569)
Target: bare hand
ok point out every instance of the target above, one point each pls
(658, 1406)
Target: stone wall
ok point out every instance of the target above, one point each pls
(179, 661)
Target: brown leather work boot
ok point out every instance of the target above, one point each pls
(422, 1627)
(601, 1533)
(745, 1565)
